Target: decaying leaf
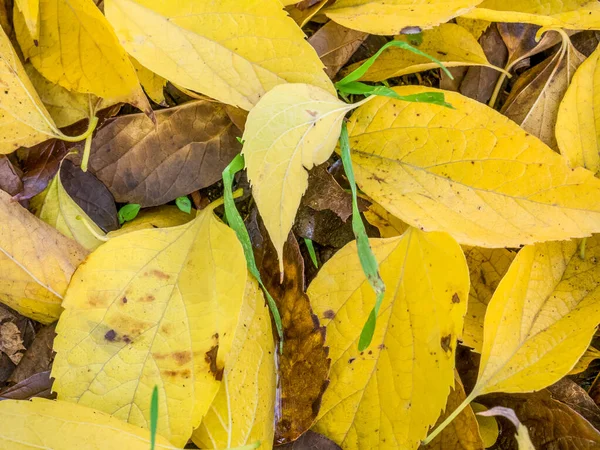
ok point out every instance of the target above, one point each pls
(293, 128)
(575, 397)
(152, 83)
(324, 192)
(38, 356)
(38, 385)
(311, 441)
(487, 266)
(469, 171)
(78, 50)
(541, 317)
(578, 122)
(534, 99)
(242, 412)
(36, 262)
(392, 16)
(151, 165)
(152, 307)
(10, 179)
(11, 342)
(34, 424)
(261, 48)
(590, 355)
(384, 396)
(450, 43)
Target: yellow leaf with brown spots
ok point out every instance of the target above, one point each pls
(385, 397)
(152, 307)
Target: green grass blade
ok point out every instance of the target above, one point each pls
(237, 224)
(356, 87)
(311, 251)
(153, 417)
(365, 254)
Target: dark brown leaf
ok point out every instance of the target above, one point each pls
(91, 195)
(40, 164)
(38, 385)
(325, 193)
(519, 39)
(38, 356)
(304, 365)
(187, 151)
(335, 45)
(6, 367)
(10, 179)
(311, 441)
(570, 393)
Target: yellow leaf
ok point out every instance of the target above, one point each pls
(388, 225)
(541, 318)
(385, 397)
(56, 207)
(30, 9)
(153, 84)
(57, 425)
(293, 128)
(36, 262)
(488, 425)
(571, 14)
(232, 51)
(23, 119)
(160, 217)
(78, 50)
(289, 2)
(591, 354)
(468, 171)
(578, 122)
(473, 26)
(487, 266)
(152, 307)
(392, 16)
(242, 412)
(451, 44)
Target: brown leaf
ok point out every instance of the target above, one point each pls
(533, 101)
(311, 441)
(187, 151)
(463, 431)
(11, 342)
(38, 385)
(335, 45)
(6, 367)
(325, 193)
(570, 393)
(91, 195)
(10, 180)
(552, 425)
(40, 164)
(304, 365)
(38, 356)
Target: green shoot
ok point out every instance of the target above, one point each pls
(128, 212)
(184, 204)
(311, 251)
(153, 417)
(237, 224)
(365, 254)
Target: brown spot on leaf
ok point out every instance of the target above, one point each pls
(159, 274)
(312, 113)
(124, 300)
(183, 373)
(329, 314)
(110, 335)
(211, 359)
(455, 298)
(445, 343)
(148, 298)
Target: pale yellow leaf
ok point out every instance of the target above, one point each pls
(233, 51)
(571, 14)
(487, 266)
(289, 2)
(152, 83)
(578, 122)
(468, 171)
(78, 50)
(56, 207)
(391, 16)
(31, 13)
(36, 262)
(451, 44)
(293, 128)
(56, 425)
(243, 410)
(385, 397)
(591, 354)
(160, 217)
(23, 119)
(152, 307)
(388, 225)
(541, 318)
(488, 425)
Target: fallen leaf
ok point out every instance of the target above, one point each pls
(10, 179)
(522, 435)
(38, 385)
(34, 423)
(23, 119)
(384, 396)
(590, 355)
(38, 356)
(293, 128)
(450, 43)
(578, 121)
(151, 165)
(38, 261)
(304, 364)
(488, 425)
(324, 192)
(463, 432)
(335, 45)
(468, 171)
(541, 318)
(570, 393)
(152, 83)
(5, 22)
(573, 15)
(487, 266)
(392, 16)
(311, 441)
(304, 11)
(534, 99)
(474, 26)
(30, 9)
(262, 48)
(78, 50)
(160, 217)
(132, 321)
(388, 225)
(11, 342)
(242, 412)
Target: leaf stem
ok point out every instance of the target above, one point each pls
(450, 418)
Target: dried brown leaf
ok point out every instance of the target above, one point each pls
(570, 393)
(10, 179)
(325, 193)
(186, 151)
(11, 342)
(305, 10)
(38, 385)
(311, 441)
(40, 165)
(38, 356)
